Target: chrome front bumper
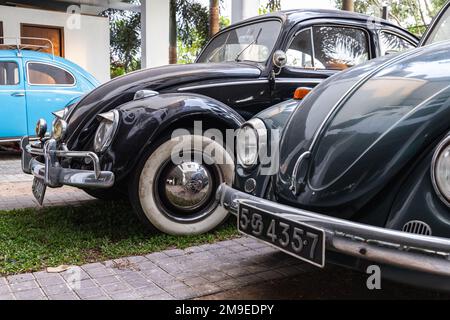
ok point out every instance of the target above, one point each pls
(416, 252)
(53, 174)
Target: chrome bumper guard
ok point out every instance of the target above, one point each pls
(54, 175)
(416, 252)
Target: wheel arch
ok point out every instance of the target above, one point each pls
(182, 112)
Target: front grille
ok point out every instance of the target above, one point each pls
(417, 227)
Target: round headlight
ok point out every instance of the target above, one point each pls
(247, 146)
(59, 129)
(106, 130)
(41, 128)
(440, 171)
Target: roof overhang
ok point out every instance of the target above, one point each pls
(86, 6)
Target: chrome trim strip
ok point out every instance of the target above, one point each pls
(9, 140)
(236, 83)
(299, 80)
(18, 139)
(300, 159)
(220, 84)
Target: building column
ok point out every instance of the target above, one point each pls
(155, 15)
(244, 9)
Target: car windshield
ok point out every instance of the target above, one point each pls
(252, 42)
(441, 30)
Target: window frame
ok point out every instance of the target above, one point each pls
(244, 24)
(50, 85)
(368, 39)
(1, 32)
(394, 33)
(433, 25)
(313, 52)
(18, 74)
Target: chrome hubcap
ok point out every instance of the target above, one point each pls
(188, 186)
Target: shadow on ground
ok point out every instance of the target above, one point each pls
(330, 283)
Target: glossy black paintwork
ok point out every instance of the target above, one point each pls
(163, 79)
(371, 167)
(244, 86)
(146, 121)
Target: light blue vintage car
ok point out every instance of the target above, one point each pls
(35, 84)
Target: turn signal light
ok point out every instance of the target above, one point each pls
(301, 92)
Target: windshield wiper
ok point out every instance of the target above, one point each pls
(249, 45)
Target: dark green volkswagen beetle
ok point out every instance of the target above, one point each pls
(362, 172)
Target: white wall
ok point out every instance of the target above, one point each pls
(85, 43)
(244, 9)
(155, 33)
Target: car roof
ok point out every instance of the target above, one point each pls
(14, 53)
(46, 57)
(298, 15)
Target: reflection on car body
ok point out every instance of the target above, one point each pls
(118, 138)
(364, 158)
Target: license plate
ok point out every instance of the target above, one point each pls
(39, 189)
(303, 241)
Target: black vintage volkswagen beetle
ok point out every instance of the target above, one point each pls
(362, 173)
(117, 139)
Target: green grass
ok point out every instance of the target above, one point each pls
(31, 239)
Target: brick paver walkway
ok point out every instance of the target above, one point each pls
(170, 274)
(15, 189)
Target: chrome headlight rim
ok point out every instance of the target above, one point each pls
(62, 124)
(112, 118)
(41, 128)
(440, 149)
(259, 127)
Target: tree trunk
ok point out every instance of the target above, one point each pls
(213, 17)
(173, 33)
(347, 5)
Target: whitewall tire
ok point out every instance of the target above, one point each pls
(180, 199)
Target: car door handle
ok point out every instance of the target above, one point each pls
(18, 94)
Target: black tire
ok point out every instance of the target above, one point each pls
(155, 209)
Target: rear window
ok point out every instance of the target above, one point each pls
(9, 73)
(392, 43)
(46, 74)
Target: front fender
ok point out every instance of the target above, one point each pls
(144, 122)
(277, 116)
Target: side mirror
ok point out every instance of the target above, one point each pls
(279, 59)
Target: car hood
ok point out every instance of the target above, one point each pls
(162, 79)
(362, 127)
